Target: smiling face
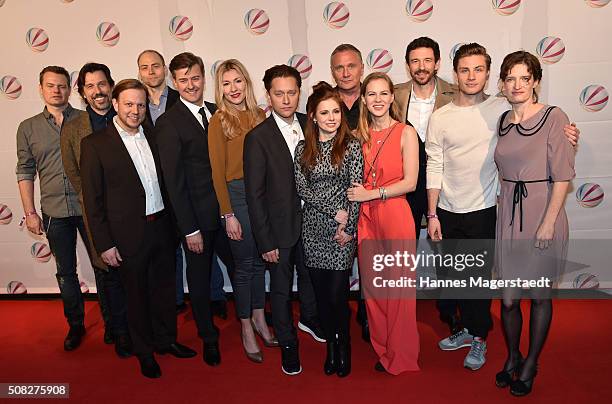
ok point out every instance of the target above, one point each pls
(284, 96)
(131, 108)
(519, 85)
(347, 70)
(378, 97)
(234, 88)
(422, 65)
(55, 89)
(97, 91)
(189, 82)
(328, 116)
(472, 74)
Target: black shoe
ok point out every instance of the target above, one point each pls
(331, 361)
(177, 350)
(219, 308)
(379, 367)
(365, 331)
(108, 336)
(290, 358)
(212, 356)
(74, 337)
(181, 308)
(506, 376)
(520, 387)
(149, 367)
(123, 346)
(344, 359)
(313, 328)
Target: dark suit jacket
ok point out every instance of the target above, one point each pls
(183, 152)
(114, 198)
(173, 96)
(274, 206)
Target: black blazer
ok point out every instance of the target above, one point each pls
(114, 198)
(183, 152)
(274, 206)
(173, 96)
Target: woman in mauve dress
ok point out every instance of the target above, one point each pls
(536, 163)
(391, 157)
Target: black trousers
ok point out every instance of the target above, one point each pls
(281, 283)
(198, 279)
(480, 224)
(331, 288)
(418, 200)
(149, 281)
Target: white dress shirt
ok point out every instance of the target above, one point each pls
(195, 110)
(420, 110)
(140, 152)
(292, 132)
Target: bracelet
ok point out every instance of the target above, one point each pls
(383, 193)
(227, 216)
(28, 214)
(431, 216)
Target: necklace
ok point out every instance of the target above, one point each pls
(373, 164)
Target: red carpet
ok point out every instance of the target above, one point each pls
(574, 367)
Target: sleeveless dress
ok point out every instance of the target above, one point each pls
(531, 156)
(388, 224)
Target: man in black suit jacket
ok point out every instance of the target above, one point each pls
(275, 209)
(182, 136)
(123, 194)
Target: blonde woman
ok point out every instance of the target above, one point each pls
(237, 114)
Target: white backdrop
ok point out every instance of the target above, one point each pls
(220, 30)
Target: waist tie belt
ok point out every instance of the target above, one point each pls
(520, 193)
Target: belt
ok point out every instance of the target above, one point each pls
(154, 216)
(520, 193)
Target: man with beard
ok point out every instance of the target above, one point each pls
(95, 85)
(152, 72)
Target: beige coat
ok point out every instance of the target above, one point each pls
(446, 92)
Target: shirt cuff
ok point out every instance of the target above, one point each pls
(25, 176)
(193, 234)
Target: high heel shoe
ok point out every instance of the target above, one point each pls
(331, 361)
(519, 388)
(344, 358)
(256, 357)
(271, 343)
(506, 376)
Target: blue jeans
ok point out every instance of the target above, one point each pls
(62, 237)
(216, 279)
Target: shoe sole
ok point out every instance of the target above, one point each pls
(455, 348)
(291, 373)
(305, 328)
(472, 368)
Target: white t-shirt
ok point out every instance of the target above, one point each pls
(460, 148)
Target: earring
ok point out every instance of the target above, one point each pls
(314, 120)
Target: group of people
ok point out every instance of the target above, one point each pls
(146, 167)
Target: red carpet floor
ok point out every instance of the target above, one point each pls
(575, 366)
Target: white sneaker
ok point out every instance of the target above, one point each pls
(461, 339)
(476, 358)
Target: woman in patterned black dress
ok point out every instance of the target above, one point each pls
(327, 162)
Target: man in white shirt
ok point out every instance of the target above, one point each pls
(123, 195)
(462, 182)
(275, 210)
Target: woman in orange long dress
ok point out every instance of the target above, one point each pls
(386, 225)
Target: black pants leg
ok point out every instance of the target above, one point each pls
(331, 288)
(306, 294)
(198, 282)
(281, 283)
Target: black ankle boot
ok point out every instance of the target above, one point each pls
(331, 361)
(344, 358)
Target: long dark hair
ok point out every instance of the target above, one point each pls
(322, 91)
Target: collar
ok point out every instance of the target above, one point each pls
(281, 123)
(124, 134)
(66, 112)
(195, 109)
(430, 100)
(109, 114)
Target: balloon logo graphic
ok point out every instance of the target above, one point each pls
(336, 15)
(256, 21)
(10, 87)
(213, 68)
(108, 34)
(594, 98)
(181, 28)
(302, 64)
(586, 280)
(74, 85)
(419, 10)
(380, 60)
(589, 195)
(37, 39)
(597, 3)
(453, 51)
(506, 7)
(6, 216)
(40, 252)
(16, 288)
(550, 49)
